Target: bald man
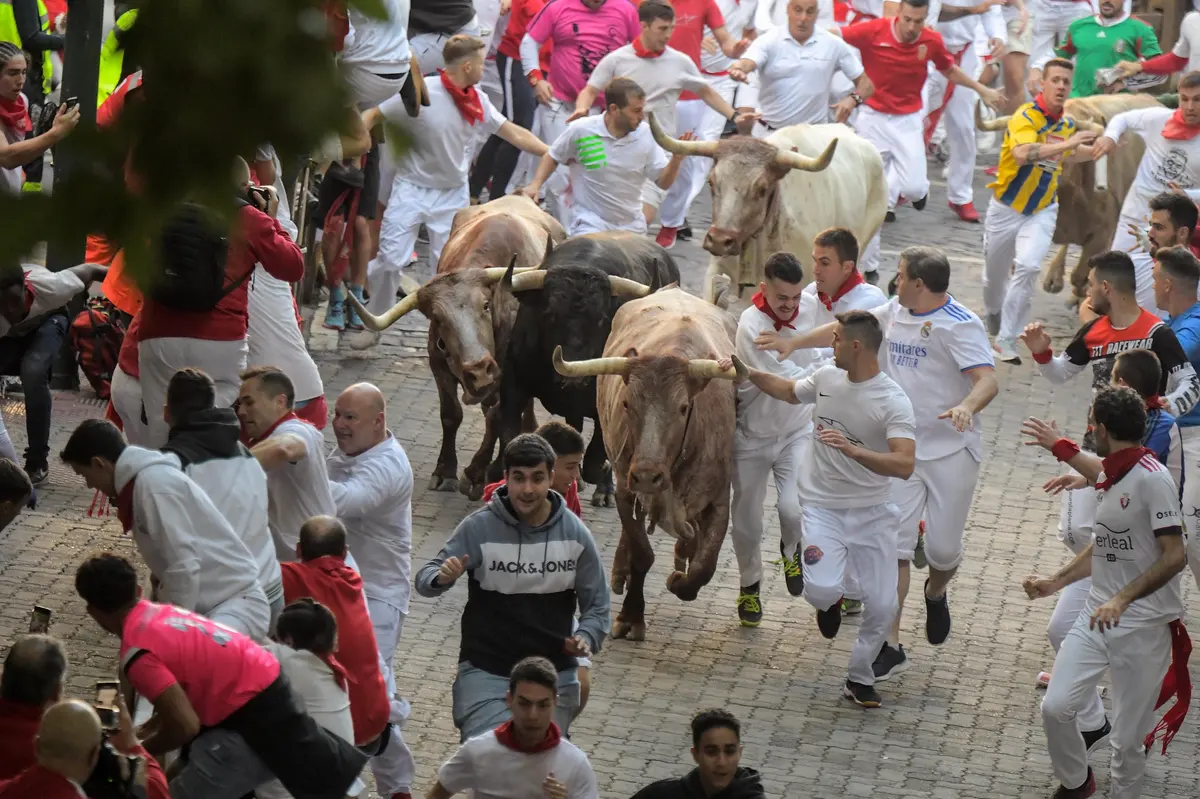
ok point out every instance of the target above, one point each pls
(372, 484)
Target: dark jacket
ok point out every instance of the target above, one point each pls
(207, 435)
(746, 785)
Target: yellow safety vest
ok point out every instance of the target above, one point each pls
(8, 33)
(112, 56)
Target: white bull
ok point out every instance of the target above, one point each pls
(776, 194)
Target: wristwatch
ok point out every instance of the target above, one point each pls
(856, 97)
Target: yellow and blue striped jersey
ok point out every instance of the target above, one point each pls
(1030, 187)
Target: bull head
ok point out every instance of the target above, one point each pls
(410, 303)
(783, 158)
(622, 287)
(698, 368)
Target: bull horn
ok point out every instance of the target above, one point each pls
(793, 160)
(1087, 125)
(593, 367)
(999, 123)
(708, 370)
(380, 323)
(529, 281)
(677, 147)
(624, 287)
(498, 273)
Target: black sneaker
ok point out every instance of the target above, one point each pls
(872, 277)
(684, 233)
(890, 662)
(1082, 792)
(1090, 739)
(937, 618)
(37, 474)
(890, 217)
(793, 572)
(920, 204)
(830, 621)
(861, 695)
(749, 606)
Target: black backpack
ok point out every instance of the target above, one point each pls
(192, 255)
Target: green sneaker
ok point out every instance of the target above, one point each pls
(793, 574)
(749, 606)
(851, 607)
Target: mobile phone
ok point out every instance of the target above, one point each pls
(106, 703)
(71, 103)
(39, 619)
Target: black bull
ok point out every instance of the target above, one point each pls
(573, 308)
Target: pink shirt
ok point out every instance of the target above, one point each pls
(581, 38)
(219, 669)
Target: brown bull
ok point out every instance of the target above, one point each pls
(471, 308)
(1088, 217)
(668, 417)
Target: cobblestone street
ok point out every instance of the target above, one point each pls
(963, 722)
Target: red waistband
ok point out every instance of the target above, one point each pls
(715, 74)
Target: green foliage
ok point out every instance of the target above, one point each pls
(221, 77)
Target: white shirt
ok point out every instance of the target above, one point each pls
(607, 173)
(297, 491)
(379, 45)
(663, 79)
(1129, 518)
(1188, 45)
(50, 290)
(442, 143)
(373, 495)
(739, 16)
(274, 338)
(484, 768)
(760, 416)
(1165, 161)
(794, 77)
(863, 297)
(868, 414)
(314, 682)
(929, 356)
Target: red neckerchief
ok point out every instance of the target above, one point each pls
(286, 417)
(1040, 102)
(1178, 130)
(849, 283)
(29, 296)
(15, 114)
(1177, 683)
(642, 52)
(760, 302)
(125, 506)
(1118, 465)
(1156, 403)
(467, 100)
(340, 675)
(504, 734)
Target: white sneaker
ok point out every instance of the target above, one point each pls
(1006, 350)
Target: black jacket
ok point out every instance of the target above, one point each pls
(446, 17)
(746, 785)
(207, 435)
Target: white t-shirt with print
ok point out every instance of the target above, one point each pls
(1166, 160)
(484, 768)
(1130, 516)
(868, 414)
(929, 355)
(662, 78)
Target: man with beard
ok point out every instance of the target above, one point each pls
(1099, 42)
(717, 750)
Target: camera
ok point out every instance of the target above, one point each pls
(114, 775)
(259, 197)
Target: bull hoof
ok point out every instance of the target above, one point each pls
(602, 498)
(1053, 284)
(439, 483)
(632, 631)
(471, 490)
(618, 584)
(675, 579)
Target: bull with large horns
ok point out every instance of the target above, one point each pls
(776, 194)
(667, 410)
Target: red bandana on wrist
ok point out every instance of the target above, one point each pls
(642, 52)
(506, 736)
(1156, 403)
(467, 100)
(267, 434)
(15, 114)
(849, 283)
(1177, 683)
(1118, 465)
(1177, 129)
(760, 302)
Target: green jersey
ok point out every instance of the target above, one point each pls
(1095, 46)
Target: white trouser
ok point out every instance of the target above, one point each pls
(940, 493)
(126, 395)
(584, 220)
(248, 613)
(1137, 658)
(1050, 20)
(959, 119)
(427, 47)
(160, 358)
(1014, 246)
(753, 460)
(402, 220)
(861, 543)
(1077, 518)
(694, 116)
(368, 89)
(900, 140)
(395, 768)
(490, 85)
(1070, 604)
(552, 119)
(527, 163)
(1143, 264)
(1191, 494)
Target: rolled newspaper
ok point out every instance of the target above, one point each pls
(1102, 173)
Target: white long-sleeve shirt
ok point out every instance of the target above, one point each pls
(379, 45)
(373, 495)
(1165, 161)
(958, 33)
(760, 416)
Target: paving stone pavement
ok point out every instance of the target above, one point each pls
(963, 722)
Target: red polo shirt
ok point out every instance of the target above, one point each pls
(18, 726)
(897, 69)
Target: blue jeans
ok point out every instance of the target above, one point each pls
(30, 357)
(479, 703)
